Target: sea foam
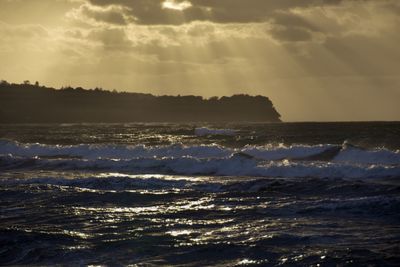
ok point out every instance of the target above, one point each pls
(262, 161)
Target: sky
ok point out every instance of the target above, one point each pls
(317, 60)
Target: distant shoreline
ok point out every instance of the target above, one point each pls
(27, 103)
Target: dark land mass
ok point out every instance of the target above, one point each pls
(27, 103)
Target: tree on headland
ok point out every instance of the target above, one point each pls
(33, 103)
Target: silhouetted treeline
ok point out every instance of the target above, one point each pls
(31, 103)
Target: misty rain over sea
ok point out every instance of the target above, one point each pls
(287, 194)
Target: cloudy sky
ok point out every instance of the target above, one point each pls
(315, 59)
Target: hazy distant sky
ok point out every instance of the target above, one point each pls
(315, 59)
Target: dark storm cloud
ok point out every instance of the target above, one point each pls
(221, 11)
(286, 18)
(145, 11)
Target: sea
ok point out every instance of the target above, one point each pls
(158, 194)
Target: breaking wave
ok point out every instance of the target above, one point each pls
(322, 161)
(269, 152)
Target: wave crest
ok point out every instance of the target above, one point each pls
(272, 161)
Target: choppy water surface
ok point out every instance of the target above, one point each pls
(299, 194)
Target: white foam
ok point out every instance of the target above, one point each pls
(113, 151)
(231, 166)
(268, 152)
(355, 155)
(281, 152)
(263, 161)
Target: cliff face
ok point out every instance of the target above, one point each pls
(25, 103)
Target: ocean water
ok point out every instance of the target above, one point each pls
(288, 194)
